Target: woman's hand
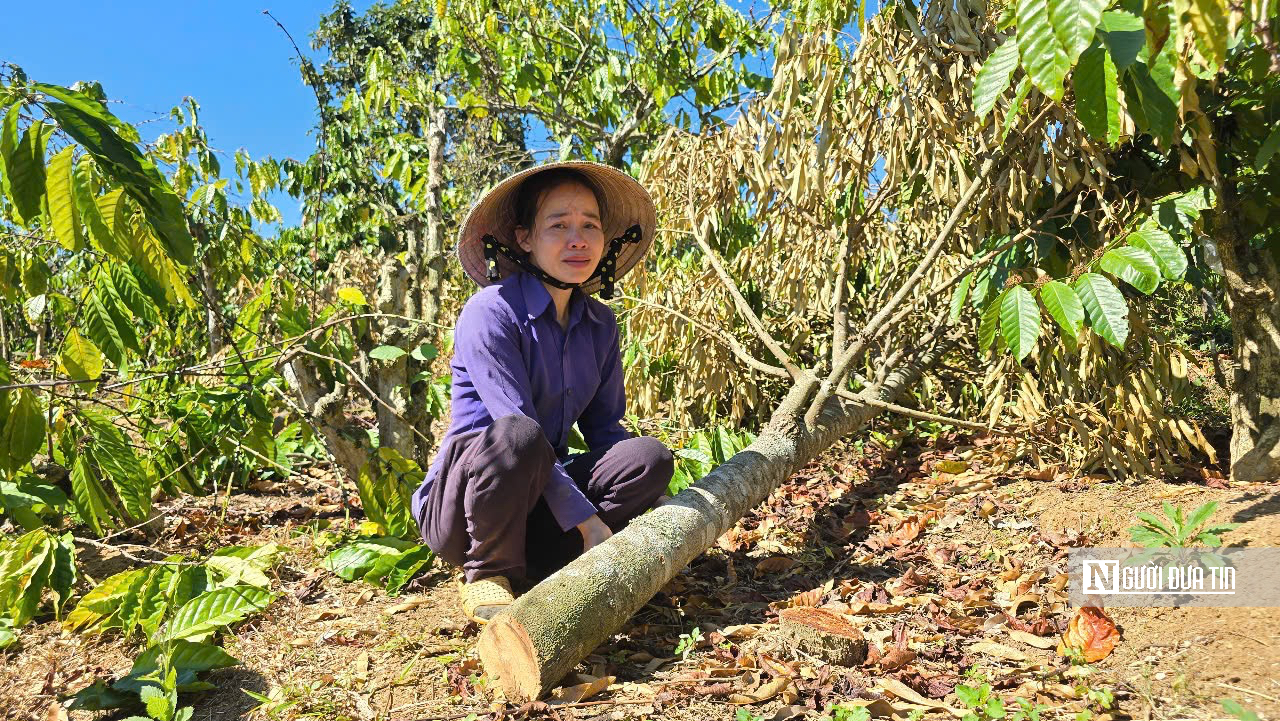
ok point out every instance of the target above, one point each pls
(594, 532)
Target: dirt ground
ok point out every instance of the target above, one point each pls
(952, 571)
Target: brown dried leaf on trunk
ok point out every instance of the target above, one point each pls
(1091, 632)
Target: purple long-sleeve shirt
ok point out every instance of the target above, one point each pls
(510, 356)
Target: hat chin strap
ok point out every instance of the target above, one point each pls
(605, 270)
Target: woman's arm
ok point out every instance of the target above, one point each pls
(487, 344)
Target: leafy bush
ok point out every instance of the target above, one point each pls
(1179, 530)
(704, 451)
(178, 606)
(384, 561)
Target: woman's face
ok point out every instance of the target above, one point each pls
(567, 239)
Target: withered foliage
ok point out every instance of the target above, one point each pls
(823, 196)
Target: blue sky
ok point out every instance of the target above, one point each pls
(147, 54)
(228, 55)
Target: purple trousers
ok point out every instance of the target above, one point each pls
(485, 512)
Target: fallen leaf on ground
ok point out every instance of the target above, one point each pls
(998, 650)
(906, 693)
(740, 632)
(911, 528)
(1031, 639)
(897, 658)
(775, 564)
(407, 605)
(1090, 632)
(764, 693)
(951, 466)
(580, 692)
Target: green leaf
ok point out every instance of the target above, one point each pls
(92, 503)
(1125, 35)
(1105, 306)
(245, 565)
(994, 77)
(356, 559)
(88, 105)
(62, 201)
(352, 296)
(1201, 514)
(23, 430)
(80, 358)
(1015, 108)
(969, 696)
(1074, 24)
(131, 293)
(1268, 149)
(1167, 253)
(424, 352)
(1134, 266)
(99, 233)
(184, 655)
(1097, 100)
(407, 567)
(26, 171)
(387, 352)
(990, 323)
(99, 325)
(1064, 307)
(203, 615)
(959, 295)
(122, 161)
(1044, 56)
(117, 460)
(1234, 708)
(157, 703)
(1019, 321)
(8, 142)
(1158, 99)
(1209, 25)
(99, 697)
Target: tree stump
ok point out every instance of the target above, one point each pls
(822, 634)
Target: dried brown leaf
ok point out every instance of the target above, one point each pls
(1091, 632)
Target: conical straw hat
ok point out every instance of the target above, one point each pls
(626, 203)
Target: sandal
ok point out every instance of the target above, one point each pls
(486, 598)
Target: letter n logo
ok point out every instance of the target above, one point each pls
(1101, 577)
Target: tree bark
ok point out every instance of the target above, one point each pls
(434, 258)
(1252, 282)
(548, 630)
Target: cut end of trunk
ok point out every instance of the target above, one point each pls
(824, 634)
(510, 659)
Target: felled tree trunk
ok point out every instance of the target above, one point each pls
(547, 631)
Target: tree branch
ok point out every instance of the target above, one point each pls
(740, 302)
(841, 368)
(728, 340)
